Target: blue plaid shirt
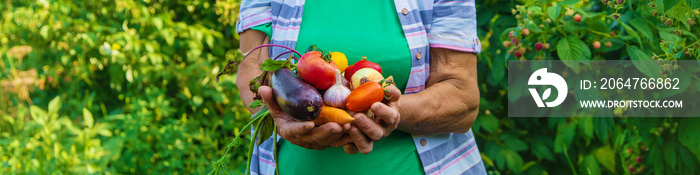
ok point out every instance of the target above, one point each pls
(439, 24)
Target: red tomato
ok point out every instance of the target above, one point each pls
(313, 69)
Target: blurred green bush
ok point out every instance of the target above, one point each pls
(584, 144)
(132, 84)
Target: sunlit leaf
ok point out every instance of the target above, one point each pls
(55, 105)
(87, 118)
(606, 157)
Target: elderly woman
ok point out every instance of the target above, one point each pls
(429, 47)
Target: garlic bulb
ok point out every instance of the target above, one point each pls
(335, 95)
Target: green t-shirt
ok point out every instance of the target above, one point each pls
(353, 28)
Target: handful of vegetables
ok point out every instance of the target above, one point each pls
(321, 88)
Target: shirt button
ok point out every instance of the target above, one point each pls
(419, 55)
(423, 142)
(404, 11)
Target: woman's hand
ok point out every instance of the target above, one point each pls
(301, 133)
(366, 131)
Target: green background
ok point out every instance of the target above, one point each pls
(125, 86)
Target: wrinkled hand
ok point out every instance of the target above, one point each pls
(366, 131)
(302, 133)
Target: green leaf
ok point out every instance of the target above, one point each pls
(693, 4)
(590, 165)
(606, 157)
(572, 49)
(87, 118)
(587, 127)
(488, 122)
(533, 27)
(679, 12)
(567, 2)
(669, 36)
(602, 126)
(540, 150)
(688, 160)
(528, 165)
(668, 4)
(498, 67)
(513, 161)
(641, 60)
(273, 65)
(256, 104)
(55, 105)
(516, 144)
(38, 114)
(641, 26)
(158, 22)
(658, 165)
(113, 148)
(487, 160)
(670, 153)
(631, 32)
(267, 129)
(554, 12)
(689, 135)
(44, 32)
(565, 135)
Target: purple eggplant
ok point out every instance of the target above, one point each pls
(297, 98)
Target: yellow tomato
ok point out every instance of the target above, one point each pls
(340, 60)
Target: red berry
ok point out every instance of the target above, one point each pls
(577, 18)
(608, 44)
(518, 54)
(50, 79)
(538, 46)
(596, 44)
(515, 41)
(631, 168)
(638, 159)
(526, 32)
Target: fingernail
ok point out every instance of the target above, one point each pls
(308, 126)
(357, 119)
(335, 131)
(375, 107)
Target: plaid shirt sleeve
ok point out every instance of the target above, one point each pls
(453, 26)
(253, 13)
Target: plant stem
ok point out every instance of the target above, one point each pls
(268, 45)
(285, 53)
(253, 138)
(566, 153)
